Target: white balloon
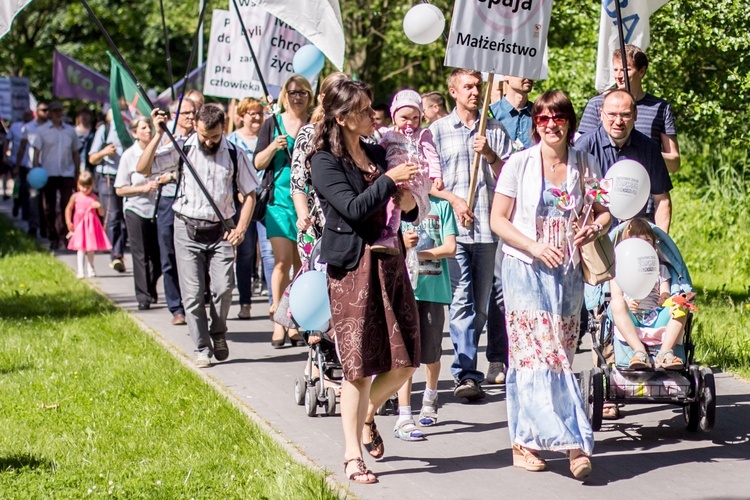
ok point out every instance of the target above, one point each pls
(424, 23)
(631, 186)
(636, 267)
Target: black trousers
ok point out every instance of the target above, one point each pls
(64, 187)
(143, 238)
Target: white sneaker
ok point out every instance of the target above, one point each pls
(80, 276)
(202, 360)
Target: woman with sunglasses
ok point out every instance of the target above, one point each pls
(273, 154)
(538, 199)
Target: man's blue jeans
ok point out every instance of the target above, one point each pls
(471, 279)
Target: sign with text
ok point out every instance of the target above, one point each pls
(500, 36)
(71, 79)
(274, 43)
(14, 98)
(220, 80)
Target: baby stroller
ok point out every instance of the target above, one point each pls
(322, 365)
(692, 387)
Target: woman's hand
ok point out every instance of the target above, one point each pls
(150, 186)
(404, 200)
(303, 223)
(280, 142)
(159, 117)
(402, 173)
(586, 235)
(549, 255)
(411, 238)
(164, 178)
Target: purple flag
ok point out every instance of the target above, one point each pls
(72, 79)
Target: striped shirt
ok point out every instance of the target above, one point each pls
(454, 143)
(655, 117)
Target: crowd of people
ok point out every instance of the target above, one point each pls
(375, 185)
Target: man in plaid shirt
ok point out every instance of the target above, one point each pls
(457, 139)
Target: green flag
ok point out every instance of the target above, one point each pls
(125, 97)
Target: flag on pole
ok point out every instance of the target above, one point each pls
(635, 29)
(72, 79)
(9, 9)
(125, 97)
(318, 20)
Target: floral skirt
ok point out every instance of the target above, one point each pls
(543, 306)
(374, 315)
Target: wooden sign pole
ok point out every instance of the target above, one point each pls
(478, 156)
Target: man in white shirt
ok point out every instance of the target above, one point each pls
(23, 155)
(201, 245)
(57, 151)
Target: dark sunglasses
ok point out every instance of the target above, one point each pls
(542, 120)
(43, 110)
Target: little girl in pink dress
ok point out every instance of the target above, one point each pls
(85, 228)
(408, 142)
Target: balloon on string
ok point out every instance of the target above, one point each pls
(37, 178)
(424, 23)
(308, 301)
(631, 187)
(636, 267)
(308, 61)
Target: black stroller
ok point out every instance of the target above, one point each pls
(692, 388)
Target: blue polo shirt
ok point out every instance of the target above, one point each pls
(516, 121)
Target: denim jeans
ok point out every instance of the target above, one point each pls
(245, 264)
(194, 261)
(266, 257)
(497, 336)
(471, 280)
(165, 227)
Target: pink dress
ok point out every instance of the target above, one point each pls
(88, 233)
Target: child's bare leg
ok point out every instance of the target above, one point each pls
(672, 334)
(625, 325)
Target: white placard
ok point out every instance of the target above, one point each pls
(220, 80)
(500, 36)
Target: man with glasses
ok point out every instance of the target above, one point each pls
(616, 139)
(104, 153)
(655, 116)
(433, 104)
(457, 139)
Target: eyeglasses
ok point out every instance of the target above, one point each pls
(626, 117)
(542, 120)
(254, 113)
(187, 113)
(43, 110)
(297, 93)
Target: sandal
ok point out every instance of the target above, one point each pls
(428, 415)
(668, 361)
(611, 411)
(407, 430)
(375, 447)
(580, 464)
(360, 472)
(639, 361)
(527, 459)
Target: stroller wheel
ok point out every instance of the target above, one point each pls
(311, 401)
(330, 401)
(299, 390)
(702, 412)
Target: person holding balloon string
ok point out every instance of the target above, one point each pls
(654, 318)
(538, 197)
(375, 321)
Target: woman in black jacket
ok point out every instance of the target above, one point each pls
(374, 314)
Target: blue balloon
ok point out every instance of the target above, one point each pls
(308, 61)
(308, 301)
(37, 178)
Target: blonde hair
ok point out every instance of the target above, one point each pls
(85, 179)
(330, 80)
(458, 73)
(136, 120)
(302, 82)
(639, 228)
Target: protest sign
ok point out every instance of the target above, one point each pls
(500, 36)
(14, 98)
(73, 80)
(220, 80)
(635, 30)
(274, 43)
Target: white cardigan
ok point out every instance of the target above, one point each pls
(521, 178)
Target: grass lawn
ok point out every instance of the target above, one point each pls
(92, 406)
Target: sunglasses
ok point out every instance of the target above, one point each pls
(43, 110)
(297, 93)
(542, 120)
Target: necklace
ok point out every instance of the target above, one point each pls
(552, 168)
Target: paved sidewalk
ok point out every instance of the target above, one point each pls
(467, 455)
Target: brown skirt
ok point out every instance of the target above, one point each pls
(375, 316)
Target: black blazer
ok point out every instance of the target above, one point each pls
(348, 203)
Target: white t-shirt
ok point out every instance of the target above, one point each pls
(143, 205)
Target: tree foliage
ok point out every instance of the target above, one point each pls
(699, 51)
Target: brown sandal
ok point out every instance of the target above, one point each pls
(580, 464)
(527, 459)
(375, 447)
(360, 472)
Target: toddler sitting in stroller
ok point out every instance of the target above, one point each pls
(654, 320)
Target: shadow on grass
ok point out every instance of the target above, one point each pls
(73, 304)
(14, 241)
(23, 461)
(713, 295)
(16, 367)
